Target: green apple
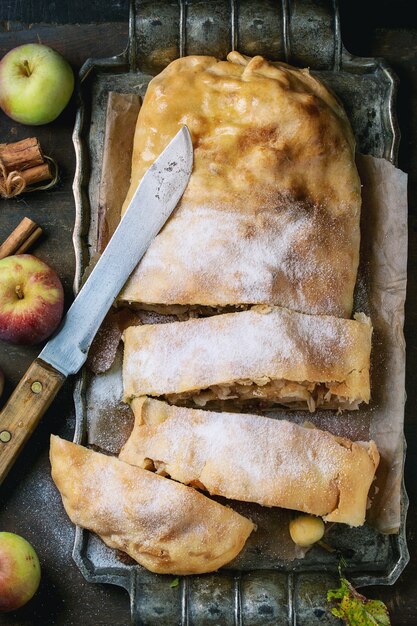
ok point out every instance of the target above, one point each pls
(20, 572)
(36, 84)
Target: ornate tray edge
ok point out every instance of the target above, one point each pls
(126, 578)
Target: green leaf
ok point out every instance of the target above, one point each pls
(356, 610)
(175, 583)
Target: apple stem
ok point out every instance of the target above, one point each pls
(27, 68)
(19, 292)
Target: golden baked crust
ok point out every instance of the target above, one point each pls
(164, 526)
(271, 212)
(255, 459)
(252, 349)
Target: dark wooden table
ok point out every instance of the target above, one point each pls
(29, 504)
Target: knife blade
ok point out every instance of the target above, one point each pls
(157, 195)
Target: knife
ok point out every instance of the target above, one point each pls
(153, 202)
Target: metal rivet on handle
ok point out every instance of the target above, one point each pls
(5, 436)
(36, 387)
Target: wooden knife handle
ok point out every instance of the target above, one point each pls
(26, 405)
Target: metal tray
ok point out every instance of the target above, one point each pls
(304, 33)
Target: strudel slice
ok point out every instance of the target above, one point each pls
(256, 358)
(164, 526)
(271, 213)
(254, 459)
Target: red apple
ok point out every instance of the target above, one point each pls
(36, 84)
(20, 572)
(31, 299)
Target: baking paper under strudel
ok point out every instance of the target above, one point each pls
(263, 356)
(254, 459)
(271, 212)
(164, 526)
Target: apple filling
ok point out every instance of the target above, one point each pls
(183, 311)
(264, 393)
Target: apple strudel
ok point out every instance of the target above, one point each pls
(271, 212)
(256, 358)
(166, 527)
(254, 459)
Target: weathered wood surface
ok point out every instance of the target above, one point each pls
(76, 42)
(64, 597)
(64, 11)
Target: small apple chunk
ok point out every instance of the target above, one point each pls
(31, 300)
(36, 84)
(20, 572)
(305, 530)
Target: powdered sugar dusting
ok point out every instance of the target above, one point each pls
(100, 554)
(252, 458)
(110, 420)
(271, 211)
(103, 349)
(262, 342)
(273, 255)
(147, 516)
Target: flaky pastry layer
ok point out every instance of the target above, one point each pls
(164, 526)
(271, 213)
(268, 355)
(255, 459)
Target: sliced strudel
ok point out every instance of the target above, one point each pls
(164, 526)
(254, 459)
(256, 358)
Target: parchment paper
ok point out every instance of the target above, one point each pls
(380, 292)
(122, 112)
(384, 256)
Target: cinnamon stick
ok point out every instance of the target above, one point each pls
(21, 155)
(28, 243)
(22, 165)
(23, 236)
(36, 174)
